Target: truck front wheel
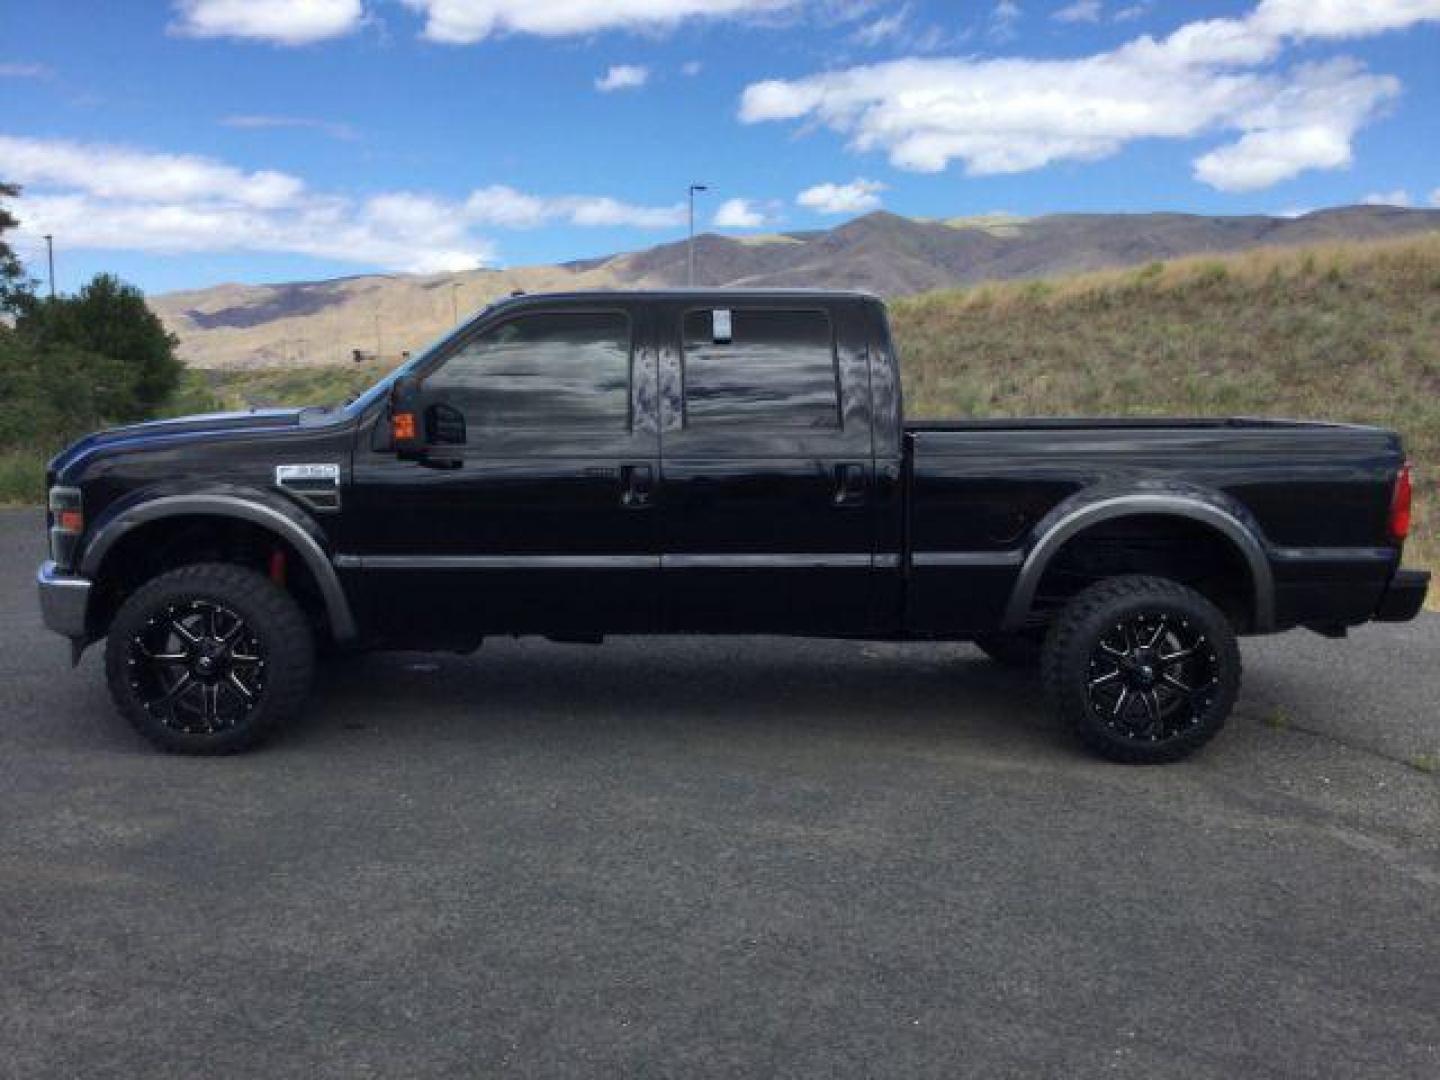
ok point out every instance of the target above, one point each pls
(209, 658)
(1142, 668)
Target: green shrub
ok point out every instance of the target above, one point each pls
(22, 478)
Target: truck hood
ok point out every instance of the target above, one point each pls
(202, 425)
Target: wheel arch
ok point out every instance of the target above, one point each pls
(297, 536)
(1068, 523)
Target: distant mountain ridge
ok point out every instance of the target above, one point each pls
(304, 323)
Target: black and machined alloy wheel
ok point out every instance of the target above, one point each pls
(209, 658)
(1142, 668)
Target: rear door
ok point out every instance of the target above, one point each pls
(535, 513)
(767, 466)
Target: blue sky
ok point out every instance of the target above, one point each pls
(185, 143)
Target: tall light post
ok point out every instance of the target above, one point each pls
(691, 250)
(454, 302)
(50, 255)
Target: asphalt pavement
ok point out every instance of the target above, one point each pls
(720, 857)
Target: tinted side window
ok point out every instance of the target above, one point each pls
(557, 370)
(777, 370)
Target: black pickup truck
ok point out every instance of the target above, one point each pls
(709, 462)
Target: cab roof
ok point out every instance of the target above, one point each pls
(583, 295)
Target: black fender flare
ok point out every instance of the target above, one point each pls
(1069, 520)
(242, 507)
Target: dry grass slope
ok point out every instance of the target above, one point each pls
(1348, 332)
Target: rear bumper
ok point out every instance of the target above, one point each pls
(1404, 597)
(64, 601)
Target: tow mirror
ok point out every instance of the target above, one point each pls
(405, 434)
(445, 425)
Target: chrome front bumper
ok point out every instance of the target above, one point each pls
(64, 601)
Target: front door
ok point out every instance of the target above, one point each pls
(532, 509)
(768, 472)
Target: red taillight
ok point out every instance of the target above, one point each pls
(1400, 505)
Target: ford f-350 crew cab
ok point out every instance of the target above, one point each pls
(712, 462)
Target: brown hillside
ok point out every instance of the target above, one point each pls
(323, 322)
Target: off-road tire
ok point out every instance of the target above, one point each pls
(1078, 650)
(274, 625)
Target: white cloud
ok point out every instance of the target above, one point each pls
(333, 129)
(623, 77)
(505, 207)
(601, 211)
(1003, 18)
(1218, 76)
(1341, 18)
(1435, 197)
(899, 29)
(1305, 123)
(284, 22)
(691, 68)
(883, 28)
(741, 214)
(467, 21)
(1398, 197)
(14, 69)
(113, 172)
(855, 197)
(1133, 11)
(99, 196)
(420, 237)
(1081, 11)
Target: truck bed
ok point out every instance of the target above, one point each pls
(981, 491)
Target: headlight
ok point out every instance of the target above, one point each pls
(67, 523)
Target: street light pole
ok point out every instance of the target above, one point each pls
(691, 243)
(50, 254)
(454, 302)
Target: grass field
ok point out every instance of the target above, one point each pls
(1350, 332)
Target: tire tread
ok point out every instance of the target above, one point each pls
(1061, 652)
(283, 623)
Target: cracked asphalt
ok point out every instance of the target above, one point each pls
(711, 857)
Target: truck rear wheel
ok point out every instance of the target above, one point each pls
(209, 658)
(1142, 668)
